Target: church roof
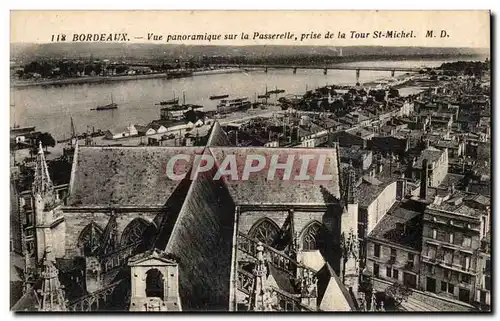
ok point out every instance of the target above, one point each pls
(136, 176)
(217, 136)
(259, 190)
(202, 242)
(124, 176)
(334, 296)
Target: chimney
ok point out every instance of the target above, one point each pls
(380, 166)
(423, 179)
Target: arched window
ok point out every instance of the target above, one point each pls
(265, 231)
(89, 239)
(155, 284)
(311, 237)
(134, 232)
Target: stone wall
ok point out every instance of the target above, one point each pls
(77, 221)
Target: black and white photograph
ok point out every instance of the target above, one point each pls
(250, 161)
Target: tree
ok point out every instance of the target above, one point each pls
(397, 293)
(47, 140)
(348, 248)
(393, 93)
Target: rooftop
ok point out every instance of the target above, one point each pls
(400, 226)
(431, 154)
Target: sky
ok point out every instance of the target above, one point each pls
(462, 28)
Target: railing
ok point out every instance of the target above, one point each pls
(245, 281)
(281, 261)
(289, 302)
(93, 301)
(284, 301)
(119, 257)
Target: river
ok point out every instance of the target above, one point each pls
(50, 108)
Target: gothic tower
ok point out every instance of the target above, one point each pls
(45, 203)
(349, 228)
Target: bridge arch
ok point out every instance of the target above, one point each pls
(265, 230)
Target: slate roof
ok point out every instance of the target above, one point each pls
(259, 190)
(217, 136)
(202, 243)
(124, 176)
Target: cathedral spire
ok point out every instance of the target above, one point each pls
(351, 196)
(42, 184)
(52, 296)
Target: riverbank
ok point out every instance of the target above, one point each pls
(106, 79)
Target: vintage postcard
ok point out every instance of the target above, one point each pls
(231, 161)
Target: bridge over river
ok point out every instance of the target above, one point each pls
(325, 68)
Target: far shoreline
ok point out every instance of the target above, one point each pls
(107, 79)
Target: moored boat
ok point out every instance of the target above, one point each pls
(214, 97)
(172, 101)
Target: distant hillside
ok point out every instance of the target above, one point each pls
(29, 52)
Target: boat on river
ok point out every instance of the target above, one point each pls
(173, 101)
(214, 97)
(276, 91)
(113, 105)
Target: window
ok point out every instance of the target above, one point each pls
(431, 285)
(434, 233)
(265, 231)
(446, 274)
(89, 239)
(393, 255)
(411, 257)
(448, 257)
(388, 272)
(483, 297)
(467, 241)
(395, 274)
(466, 278)
(430, 268)
(134, 231)
(451, 288)
(311, 237)
(444, 286)
(487, 283)
(376, 250)
(466, 265)
(29, 221)
(375, 269)
(451, 238)
(431, 251)
(410, 280)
